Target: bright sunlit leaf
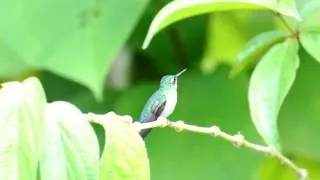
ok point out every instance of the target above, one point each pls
(178, 10)
(124, 155)
(255, 49)
(71, 149)
(21, 129)
(310, 29)
(270, 83)
(287, 7)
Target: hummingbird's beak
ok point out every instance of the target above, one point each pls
(181, 72)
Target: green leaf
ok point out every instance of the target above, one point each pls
(178, 10)
(269, 85)
(21, 128)
(255, 49)
(310, 29)
(124, 155)
(71, 149)
(76, 39)
(288, 7)
(10, 65)
(310, 14)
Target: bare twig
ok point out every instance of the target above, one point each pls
(238, 139)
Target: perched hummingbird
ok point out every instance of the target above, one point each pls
(162, 102)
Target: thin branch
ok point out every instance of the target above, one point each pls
(238, 140)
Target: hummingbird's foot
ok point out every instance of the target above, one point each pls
(163, 122)
(90, 116)
(215, 131)
(179, 126)
(137, 125)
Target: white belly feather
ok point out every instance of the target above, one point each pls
(171, 101)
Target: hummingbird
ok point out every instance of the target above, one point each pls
(162, 102)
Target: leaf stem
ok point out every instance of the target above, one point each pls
(285, 23)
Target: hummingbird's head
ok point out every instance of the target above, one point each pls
(170, 81)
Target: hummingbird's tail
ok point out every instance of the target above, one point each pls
(144, 132)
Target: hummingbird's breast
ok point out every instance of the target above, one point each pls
(171, 101)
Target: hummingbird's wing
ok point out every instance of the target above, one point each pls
(157, 109)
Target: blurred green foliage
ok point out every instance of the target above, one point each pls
(205, 95)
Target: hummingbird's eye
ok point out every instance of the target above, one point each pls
(173, 80)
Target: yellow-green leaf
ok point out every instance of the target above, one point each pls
(124, 156)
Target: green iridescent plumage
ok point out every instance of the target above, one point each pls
(162, 102)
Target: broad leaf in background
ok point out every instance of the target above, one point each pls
(21, 129)
(11, 65)
(71, 149)
(310, 29)
(225, 37)
(255, 49)
(270, 83)
(178, 10)
(124, 155)
(76, 39)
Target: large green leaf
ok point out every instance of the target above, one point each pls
(255, 49)
(21, 129)
(71, 149)
(124, 155)
(179, 10)
(269, 85)
(310, 29)
(76, 39)
(10, 64)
